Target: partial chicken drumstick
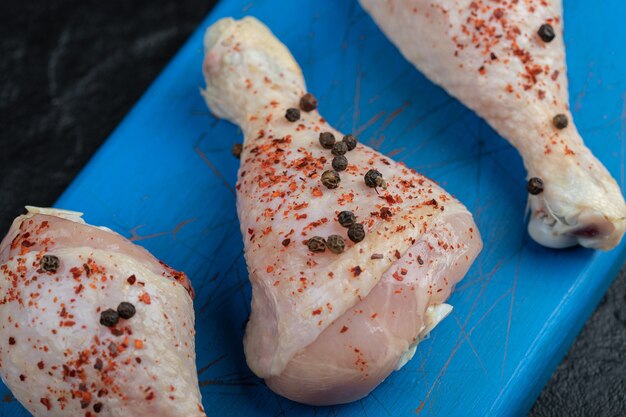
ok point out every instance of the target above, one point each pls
(506, 61)
(93, 325)
(351, 255)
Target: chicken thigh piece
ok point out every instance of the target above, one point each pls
(506, 61)
(350, 260)
(93, 325)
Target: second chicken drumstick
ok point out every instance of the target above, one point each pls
(351, 255)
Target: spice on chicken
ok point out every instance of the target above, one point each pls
(49, 263)
(308, 102)
(339, 148)
(546, 32)
(330, 179)
(340, 163)
(346, 218)
(356, 232)
(560, 121)
(335, 244)
(351, 141)
(236, 150)
(126, 310)
(109, 317)
(316, 244)
(535, 186)
(292, 114)
(375, 179)
(327, 140)
(286, 242)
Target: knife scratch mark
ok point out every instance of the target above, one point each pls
(508, 326)
(213, 362)
(134, 237)
(214, 169)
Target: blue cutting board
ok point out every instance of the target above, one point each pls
(165, 179)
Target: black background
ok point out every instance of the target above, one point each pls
(70, 71)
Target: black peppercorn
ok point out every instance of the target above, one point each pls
(327, 140)
(340, 163)
(126, 310)
(292, 114)
(374, 179)
(316, 244)
(356, 232)
(335, 244)
(535, 186)
(339, 148)
(560, 121)
(351, 141)
(109, 317)
(49, 263)
(346, 218)
(331, 179)
(546, 32)
(236, 150)
(97, 407)
(308, 102)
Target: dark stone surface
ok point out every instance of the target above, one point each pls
(70, 71)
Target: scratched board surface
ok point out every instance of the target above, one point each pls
(165, 179)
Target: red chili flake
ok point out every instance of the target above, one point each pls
(76, 272)
(145, 297)
(373, 316)
(11, 340)
(397, 254)
(270, 269)
(40, 365)
(150, 396)
(420, 260)
(46, 403)
(389, 198)
(131, 279)
(317, 312)
(482, 70)
(317, 192)
(377, 256)
(343, 329)
(22, 377)
(397, 276)
(356, 271)
(403, 271)
(138, 344)
(385, 213)
(286, 242)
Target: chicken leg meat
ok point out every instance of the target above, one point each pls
(351, 255)
(93, 325)
(506, 61)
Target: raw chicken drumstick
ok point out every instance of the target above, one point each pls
(350, 267)
(506, 61)
(93, 325)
